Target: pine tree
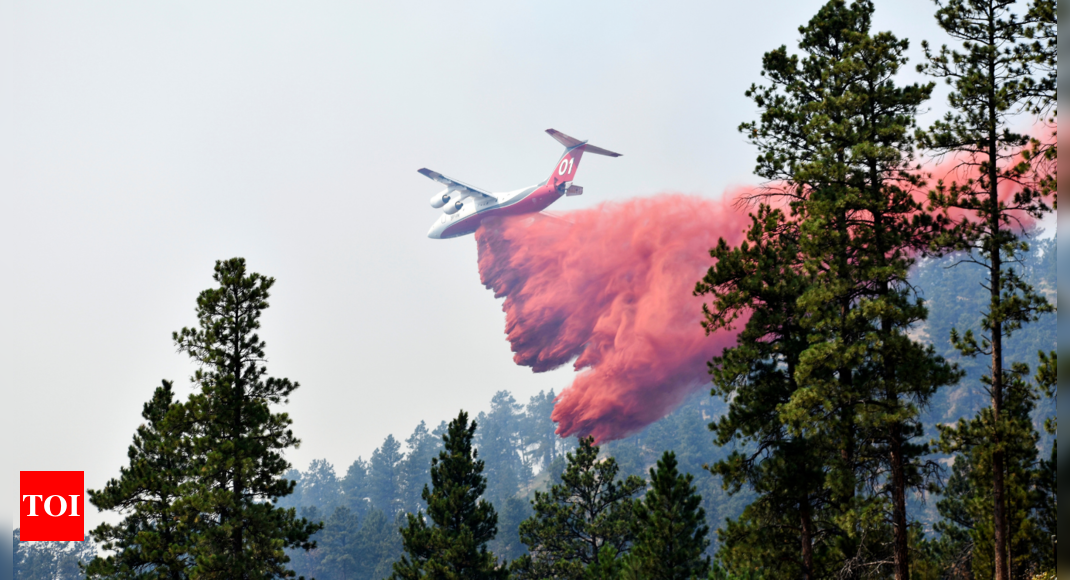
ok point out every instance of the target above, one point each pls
(355, 487)
(991, 83)
(150, 542)
(1038, 57)
(539, 429)
(609, 567)
(861, 226)
(669, 527)
(963, 546)
(385, 477)
(763, 278)
(236, 441)
(379, 545)
(423, 447)
(951, 550)
(320, 487)
(498, 440)
(339, 542)
(836, 134)
(968, 509)
(507, 545)
(579, 518)
(454, 545)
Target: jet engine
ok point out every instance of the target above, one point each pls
(454, 207)
(441, 199)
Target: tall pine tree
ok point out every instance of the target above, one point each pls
(386, 485)
(454, 545)
(538, 429)
(991, 82)
(762, 278)
(236, 441)
(355, 487)
(499, 439)
(669, 527)
(836, 133)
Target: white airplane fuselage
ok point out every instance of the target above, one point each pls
(528, 200)
(465, 207)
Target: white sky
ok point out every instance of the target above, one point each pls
(144, 140)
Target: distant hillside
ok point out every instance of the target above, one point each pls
(955, 297)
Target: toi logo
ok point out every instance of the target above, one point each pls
(52, 506)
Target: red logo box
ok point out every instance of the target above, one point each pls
(52, 506)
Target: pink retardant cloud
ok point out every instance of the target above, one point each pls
(610, 289)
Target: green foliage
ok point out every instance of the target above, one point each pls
(669, 527)
(524, 439)
(320, 486)
(757, 377)
(355, 487)
(719, 573)
(825, 378)
(608, 567)
(340, 542)
(511, 513)
(235, 441)
(384, 477)
(1038, 55)
(1029, 486)
(423, 446)
(499, 440)
(454, 546)
(685, 433)
(197, 495)
(993, 79)
(150, 542)
(381, 544)
(348, 547)
(588, 512)
(539, 430)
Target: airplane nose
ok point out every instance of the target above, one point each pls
(433, 233)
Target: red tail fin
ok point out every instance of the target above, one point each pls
(565, 169)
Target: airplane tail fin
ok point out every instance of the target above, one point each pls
(571, 142)
(566, 166)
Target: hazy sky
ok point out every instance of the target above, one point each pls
(144, 140)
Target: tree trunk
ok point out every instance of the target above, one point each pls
(999, 518)
(896, 459)
(807, 539)
(239, 483)
(899, 506)
(999, 515)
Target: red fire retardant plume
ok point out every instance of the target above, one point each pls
(611, 287)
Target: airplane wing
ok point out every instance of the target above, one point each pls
(457, 185)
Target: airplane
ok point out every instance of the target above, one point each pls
(464, 207)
